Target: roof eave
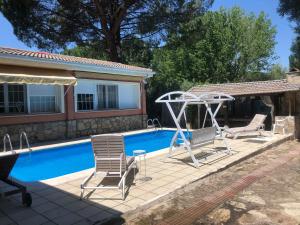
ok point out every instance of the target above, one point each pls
(255, 94)
(56, 64)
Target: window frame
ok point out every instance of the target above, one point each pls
(58, 94)
(59, 100)
(7, 103)
(107, 97)
(85, 85)
(45, 112)
(90, 102)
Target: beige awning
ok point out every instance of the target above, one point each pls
(20, 78)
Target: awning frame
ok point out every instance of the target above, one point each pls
(17, 78)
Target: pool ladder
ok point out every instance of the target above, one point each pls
(153, 123)
(6, 139)
(24, 135)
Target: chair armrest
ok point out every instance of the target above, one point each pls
(107, 159)
(281, 122)
(284, 119)
(121, 160)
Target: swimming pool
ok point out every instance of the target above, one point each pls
(54, 162)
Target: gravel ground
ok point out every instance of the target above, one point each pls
(274, 199)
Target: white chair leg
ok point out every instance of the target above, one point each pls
(81, 194)
(123, 188)
(274, 128)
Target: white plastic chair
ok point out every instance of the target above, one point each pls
(280, 123)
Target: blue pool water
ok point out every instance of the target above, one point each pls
(54, 162)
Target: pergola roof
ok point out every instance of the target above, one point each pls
(247, 88)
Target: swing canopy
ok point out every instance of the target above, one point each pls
(189, 98)
(185, 98)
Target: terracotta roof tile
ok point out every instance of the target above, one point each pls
(71, 59)
(248, 88)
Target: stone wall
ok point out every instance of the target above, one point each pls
(60, 130)
(85, 127)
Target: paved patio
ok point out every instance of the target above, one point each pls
(57, 202)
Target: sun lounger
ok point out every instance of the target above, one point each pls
(255, 126)
(110, 159)
(7, 162)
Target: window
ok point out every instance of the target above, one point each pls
(41, 98)
(42, 104)
(12, 98)
(108, 97)
(85, 101)
(45, 98)
(16, 102)
(2, 105)
(101, 96)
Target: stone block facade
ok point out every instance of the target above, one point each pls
(85, 127)
(61, 130)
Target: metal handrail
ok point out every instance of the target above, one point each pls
(23, 134)
(5, 139)
(149, 125)
(155, 119)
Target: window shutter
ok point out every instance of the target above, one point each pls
(112, 96)
(101, 96)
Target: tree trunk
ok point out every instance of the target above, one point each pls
(114, 47)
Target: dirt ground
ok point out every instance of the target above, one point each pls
(274, 199)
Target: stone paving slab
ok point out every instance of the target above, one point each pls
(59, 203)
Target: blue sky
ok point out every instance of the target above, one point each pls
(284, 28)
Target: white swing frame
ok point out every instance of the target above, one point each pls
(208, 99)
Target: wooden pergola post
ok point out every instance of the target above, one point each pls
(290, 103)
(198, 122)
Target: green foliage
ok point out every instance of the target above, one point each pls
(277, 72)
(53, 25)
(218, 47)
(291, 9)
(295, 56)
(135, 52)
(89, 51)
